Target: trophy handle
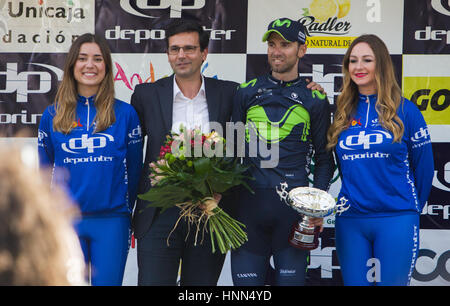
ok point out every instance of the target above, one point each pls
(341, 207)
(283, 193)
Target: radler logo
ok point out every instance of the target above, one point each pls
(325, 17)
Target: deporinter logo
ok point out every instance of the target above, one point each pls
(135, 135)
(18, 81)
(441, 180)
(421, 134)
(86, 143)
(363, 140)
(176, 7)
(421, 138)
(274, 132)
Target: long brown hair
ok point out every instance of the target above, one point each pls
(67, 94)
(388, 92)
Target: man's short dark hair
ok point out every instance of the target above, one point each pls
(186, 26)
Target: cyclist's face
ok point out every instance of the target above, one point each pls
(188, 60)
(362, 68)
(89, 69)
(283, 56)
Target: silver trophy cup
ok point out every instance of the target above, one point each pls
(309, 202)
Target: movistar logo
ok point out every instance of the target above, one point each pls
(252, 83)
(318, 94)
(274, 132)
(279, 23)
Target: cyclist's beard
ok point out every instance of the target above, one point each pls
(284, 66)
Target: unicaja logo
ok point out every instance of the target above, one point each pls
(176, 7)
(67, 12)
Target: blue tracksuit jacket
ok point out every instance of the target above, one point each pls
(379, 177)
(100, 170)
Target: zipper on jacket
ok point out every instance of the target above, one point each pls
(87, 125)
(368, 108)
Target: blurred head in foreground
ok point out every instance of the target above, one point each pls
(37, 243)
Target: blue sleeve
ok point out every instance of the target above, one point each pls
(46, 151)
(420, 152)
(134, 155)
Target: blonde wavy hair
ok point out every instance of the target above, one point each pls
(389, 94)
(67, 94)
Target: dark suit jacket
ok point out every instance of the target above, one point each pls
(154, 105)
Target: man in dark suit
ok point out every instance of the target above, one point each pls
(190, 98)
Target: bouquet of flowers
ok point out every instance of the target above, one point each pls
(191, 173)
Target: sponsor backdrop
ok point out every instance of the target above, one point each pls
(35, 36)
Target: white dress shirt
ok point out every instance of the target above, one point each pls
(192, 113)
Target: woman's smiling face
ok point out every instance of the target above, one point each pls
(361, 67)
(89, 69)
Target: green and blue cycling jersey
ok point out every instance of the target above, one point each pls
(286, 126)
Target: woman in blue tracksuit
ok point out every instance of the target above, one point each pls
(384, 153)
(93, 144)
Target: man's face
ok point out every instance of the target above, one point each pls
(283, 56)
(184, 54)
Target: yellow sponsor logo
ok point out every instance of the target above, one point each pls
(431, 95)
(329, 42)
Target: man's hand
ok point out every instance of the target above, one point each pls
(314, 86)
(316, 222)
(217, 197)
(210, 204)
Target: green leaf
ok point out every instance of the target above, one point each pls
(165, 196)
(202, 165)
(201, 186)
